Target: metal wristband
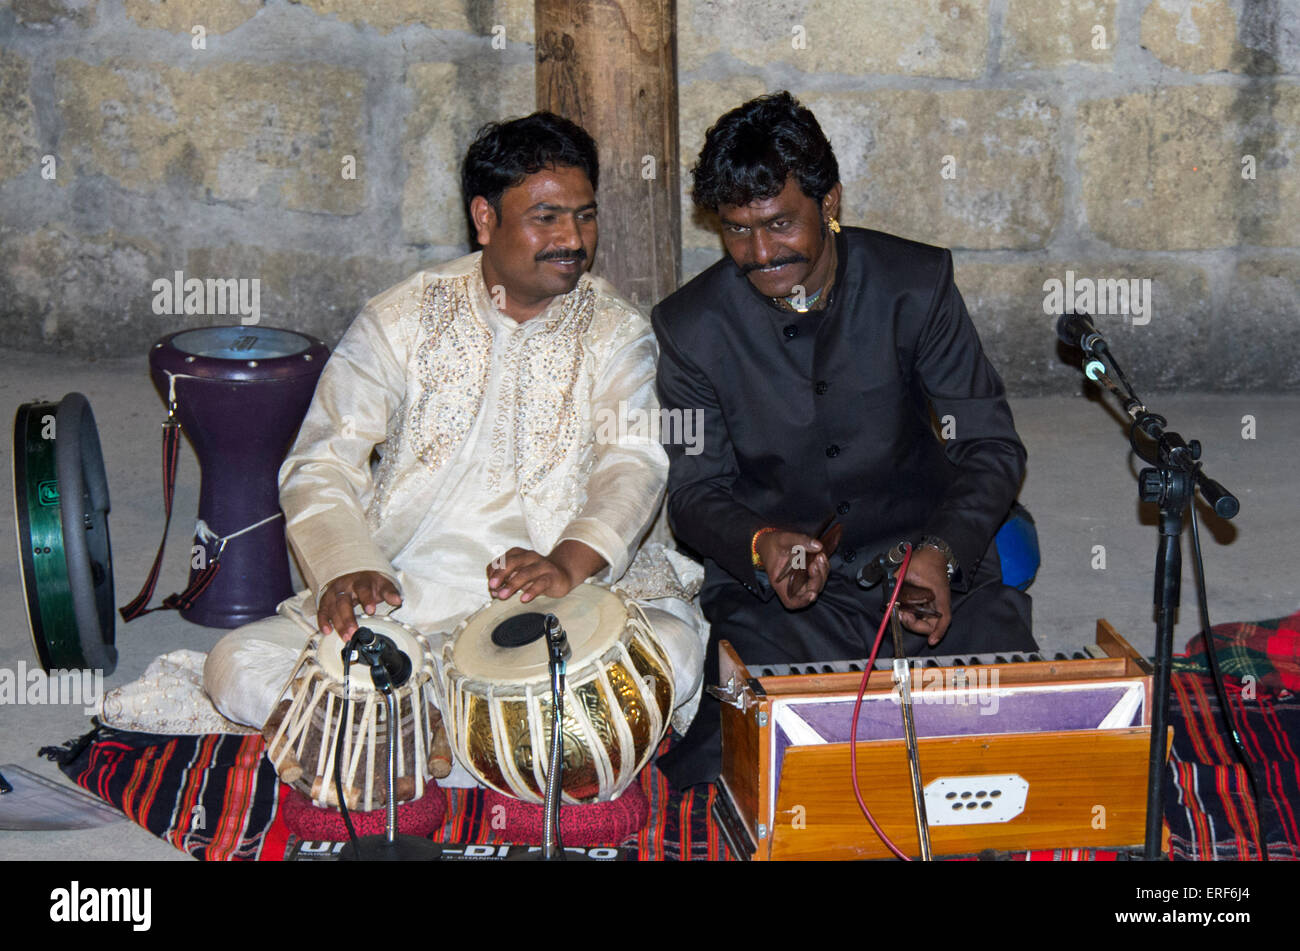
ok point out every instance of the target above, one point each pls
(942, 547)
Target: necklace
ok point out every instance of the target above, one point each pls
(790, 303)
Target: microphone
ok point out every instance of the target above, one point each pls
(1076, 330)
(389, 665)
(557, 640)
(880, 567)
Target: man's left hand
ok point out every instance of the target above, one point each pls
(929, 569)
(532, 573)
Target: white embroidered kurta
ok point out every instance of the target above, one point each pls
(443, 433)
(485, 430)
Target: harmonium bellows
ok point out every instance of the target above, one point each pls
(1022, 752)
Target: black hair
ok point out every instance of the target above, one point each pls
(751, 151)
(503, 154)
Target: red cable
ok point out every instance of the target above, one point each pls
(857, 706)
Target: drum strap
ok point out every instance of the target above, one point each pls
(171, 444)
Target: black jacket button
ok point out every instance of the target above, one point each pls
(842, 508)
(848, 555)
(821, 387)
(790, 330)
(832, 450)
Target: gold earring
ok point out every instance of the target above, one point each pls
(833, 225)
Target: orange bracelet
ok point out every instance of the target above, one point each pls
(753, 546)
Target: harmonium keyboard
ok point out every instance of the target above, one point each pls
(1017, 751)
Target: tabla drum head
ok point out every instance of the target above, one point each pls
(408, 641)
(593, 618)
(61, 512)
(236, 353)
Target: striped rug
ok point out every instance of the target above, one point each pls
(217, 797)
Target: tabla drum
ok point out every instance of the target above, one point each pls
(240, 394)
(61, 512)
(617, 704)
(302, 733)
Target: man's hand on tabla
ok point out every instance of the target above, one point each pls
(529, 572)
(569, 564)
(929, 569)
(778, 549)
(335, 611)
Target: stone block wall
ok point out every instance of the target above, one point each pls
(314, 145)
(1114, 140)
(311, 145)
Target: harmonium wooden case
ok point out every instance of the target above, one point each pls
(1016, 752)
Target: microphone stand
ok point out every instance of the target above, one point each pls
(903, 678)
(389, 668)
(1171, 482)
(557, 656)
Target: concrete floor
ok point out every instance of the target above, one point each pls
(1080, 488)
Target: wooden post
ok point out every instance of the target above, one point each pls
(611, 66)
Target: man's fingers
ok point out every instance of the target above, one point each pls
(539, 585)
(345, 621)
(541, 577)
(501, 567)
(518, 578)
(941, 625)
(391, 595)
(365, 595)
(515, 581)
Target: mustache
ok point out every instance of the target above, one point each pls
(577, 254)
(778, 262)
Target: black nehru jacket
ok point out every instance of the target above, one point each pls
(829, 411)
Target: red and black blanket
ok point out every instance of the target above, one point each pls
(218, 798)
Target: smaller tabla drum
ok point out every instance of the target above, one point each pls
(617, 703)
(302, 733)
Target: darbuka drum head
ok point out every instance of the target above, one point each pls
(592, 617)
(240, 343)
(238, 354)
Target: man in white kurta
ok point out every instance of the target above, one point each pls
(486, 431)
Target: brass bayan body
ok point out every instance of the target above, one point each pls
(618, 698)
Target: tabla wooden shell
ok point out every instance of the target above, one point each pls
(302, 733)
(617, 704)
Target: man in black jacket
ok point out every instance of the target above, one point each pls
(816, 354)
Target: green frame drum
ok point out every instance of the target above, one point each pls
(61, 509)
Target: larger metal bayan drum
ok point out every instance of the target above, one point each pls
(240, 394)
(617, 702)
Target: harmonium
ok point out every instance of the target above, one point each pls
(1015, 752)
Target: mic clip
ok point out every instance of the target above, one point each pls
(883, 566)
(389, 665)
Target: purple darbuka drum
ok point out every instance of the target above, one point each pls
(240, 394)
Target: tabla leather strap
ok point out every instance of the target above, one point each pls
(171, 443)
